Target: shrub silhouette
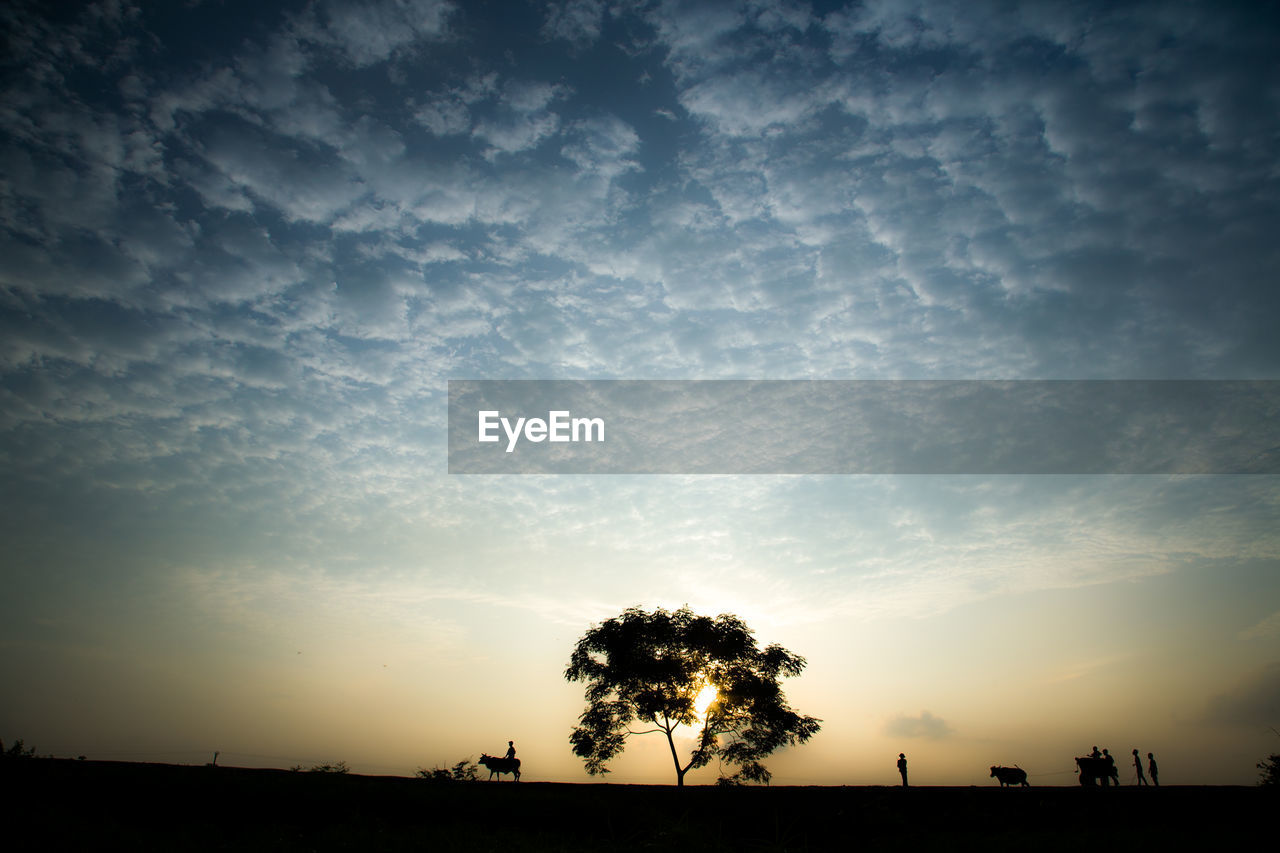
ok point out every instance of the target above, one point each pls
(17, 749)
(340, 767)
(465, 770)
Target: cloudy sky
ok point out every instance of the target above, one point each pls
(244, 246)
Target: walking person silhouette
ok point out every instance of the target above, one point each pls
(902, 767)
(1153, 770)
(1137, 768)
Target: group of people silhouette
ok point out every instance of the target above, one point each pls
(1110, 760)
(1151, 766)
(1104, 756)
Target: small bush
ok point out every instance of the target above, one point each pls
(17, 750)
(340, 767)
(465, 770)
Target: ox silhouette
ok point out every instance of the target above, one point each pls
(1094, 770)
(1011, 776)
(501, 765)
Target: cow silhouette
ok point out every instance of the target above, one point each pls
(1011, 776)
(1094, 770)
(501, 765)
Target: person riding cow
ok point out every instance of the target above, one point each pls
(501, 765)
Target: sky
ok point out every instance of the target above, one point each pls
(245, 246)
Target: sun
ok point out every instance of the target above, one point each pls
(703, 700)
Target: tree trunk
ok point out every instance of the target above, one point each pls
(675, 759)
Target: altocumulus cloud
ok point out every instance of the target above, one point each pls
(241, 254)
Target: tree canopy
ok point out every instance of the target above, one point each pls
(649, 668)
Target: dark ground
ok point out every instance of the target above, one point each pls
(111, 805)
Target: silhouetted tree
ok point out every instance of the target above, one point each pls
(17, 750)
(1270, 767)
(649, 668)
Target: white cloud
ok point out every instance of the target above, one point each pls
(518, 132)
(694, 32)
(749, 103)
(926, 725)
(368, 33)
(300, 185)
(444, 116)
(522, 119)
(603, 146)
(1264, 629)
(575, 21)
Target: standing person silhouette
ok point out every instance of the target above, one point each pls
(1137, 768)
(1112, 774)
(1153, 770)
(511, 749)
(902, 767)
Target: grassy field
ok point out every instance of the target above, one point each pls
(110, 805)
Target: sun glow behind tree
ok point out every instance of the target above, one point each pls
(703, 700)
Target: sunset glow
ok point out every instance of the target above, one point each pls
(703, 700)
